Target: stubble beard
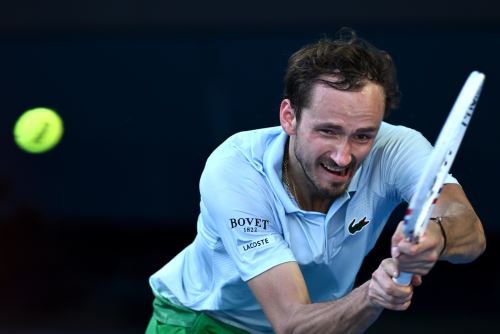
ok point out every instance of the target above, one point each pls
(333, 190)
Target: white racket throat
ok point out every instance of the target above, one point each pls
(437, 167)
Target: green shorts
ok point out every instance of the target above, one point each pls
(170, 318)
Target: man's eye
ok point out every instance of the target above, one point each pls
(327, 132)
(362, 137)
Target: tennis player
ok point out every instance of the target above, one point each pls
(288, 213)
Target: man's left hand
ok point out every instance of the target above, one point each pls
(417, 258)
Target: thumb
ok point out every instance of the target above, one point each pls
(398, 235)
(395, 252)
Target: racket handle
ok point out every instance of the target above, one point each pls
(403, 278)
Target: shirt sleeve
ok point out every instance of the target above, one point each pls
(238, 210)
(405, 153)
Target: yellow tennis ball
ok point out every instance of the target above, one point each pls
(38, 130)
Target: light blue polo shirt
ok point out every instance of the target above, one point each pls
(248, 224)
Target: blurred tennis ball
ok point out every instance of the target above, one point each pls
(38, 130)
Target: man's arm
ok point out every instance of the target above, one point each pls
(283, 295)
(463, 235)
(465, 239)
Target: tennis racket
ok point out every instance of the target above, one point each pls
(435, 171)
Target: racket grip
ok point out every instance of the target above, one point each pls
(403, 278)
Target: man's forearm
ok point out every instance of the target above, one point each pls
(353, 313)
(465, 239)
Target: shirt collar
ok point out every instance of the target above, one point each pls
(273, 162)
(353, 186)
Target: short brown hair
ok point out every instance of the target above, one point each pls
(350, 59)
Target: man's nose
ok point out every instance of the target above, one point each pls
(342, 154)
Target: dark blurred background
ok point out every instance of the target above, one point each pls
(147, 89)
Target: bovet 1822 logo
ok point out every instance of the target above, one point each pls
(249, 224)
(357, 226)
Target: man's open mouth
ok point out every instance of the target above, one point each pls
(340, 171)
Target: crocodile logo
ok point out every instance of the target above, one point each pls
(356, 227)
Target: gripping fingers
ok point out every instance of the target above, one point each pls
(385, 292)
(391, 299)
(419, 258)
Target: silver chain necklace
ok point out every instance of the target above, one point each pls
(289, 185)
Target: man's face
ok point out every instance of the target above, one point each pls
(334, 135)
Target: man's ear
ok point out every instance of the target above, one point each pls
(287, 117)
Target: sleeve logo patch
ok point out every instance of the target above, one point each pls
(263, 242)
(249, 224)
